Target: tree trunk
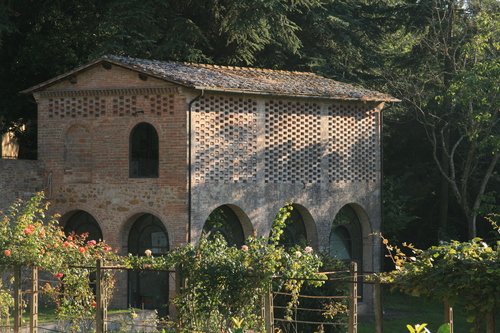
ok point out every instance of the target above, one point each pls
(471, 225)
(444, 189)
(490, 322)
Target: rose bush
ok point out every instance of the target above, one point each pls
(224, 284)
(29, 238)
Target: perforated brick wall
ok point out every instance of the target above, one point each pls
(73, 107)
(116, 102)
(352, 143)
(225, 142)
(303, 142)
(293, 142)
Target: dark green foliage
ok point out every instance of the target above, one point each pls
(42, 39)
(332, 310)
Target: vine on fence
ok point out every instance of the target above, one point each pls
(463, 273)
(29, 238)
(225, 283)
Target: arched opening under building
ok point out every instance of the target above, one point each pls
(295, 231)
(144, 151)
(80, 222)
(148, 290)
(346, 238)
(224, 222)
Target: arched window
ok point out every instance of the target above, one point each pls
(223, 221)
(148, 233)
(144, 157)
(82, 222)
(294, 232)
(148, 290)
(346, 240)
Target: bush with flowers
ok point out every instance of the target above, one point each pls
(225, 284)
(29, 238)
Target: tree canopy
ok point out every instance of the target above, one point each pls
(438, 56)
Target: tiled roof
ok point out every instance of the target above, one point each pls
(241, 79)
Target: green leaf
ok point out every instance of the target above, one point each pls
(445, 328)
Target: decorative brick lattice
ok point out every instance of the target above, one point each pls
(121, 106)
(225, 142)
(293, 142)
(160, 104)
(76, 107)
(352, 144)
(124, 105)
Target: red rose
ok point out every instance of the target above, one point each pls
(7, 252)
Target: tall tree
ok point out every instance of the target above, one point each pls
(42, 39)
(450, 38)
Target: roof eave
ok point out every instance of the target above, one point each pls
(93, 64)
(284, 94)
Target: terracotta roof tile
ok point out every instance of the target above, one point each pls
(234, 79)
(244, 79)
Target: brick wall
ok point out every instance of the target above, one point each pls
(253, 153)
(19, 180)
(84, 134)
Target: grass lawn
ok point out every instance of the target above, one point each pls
(401, 310)
(48, 314)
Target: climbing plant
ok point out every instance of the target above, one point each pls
(29, 238)
(225, 284)
(462, 273)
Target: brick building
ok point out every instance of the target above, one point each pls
(149, 154)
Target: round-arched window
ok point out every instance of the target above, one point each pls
(224, 222)
(144, 151)
(346, 240)
(148, 233)
(148, 289)
(295, 232)
(82, 222)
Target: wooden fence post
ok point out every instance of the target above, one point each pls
(34, 301)
(17, 299)
(379, 308)
(269, 311)
(448, 315)
(353, 299)
(101, 321)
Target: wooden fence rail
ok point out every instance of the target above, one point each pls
(101, 319)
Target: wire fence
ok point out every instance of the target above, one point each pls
(330, 308)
